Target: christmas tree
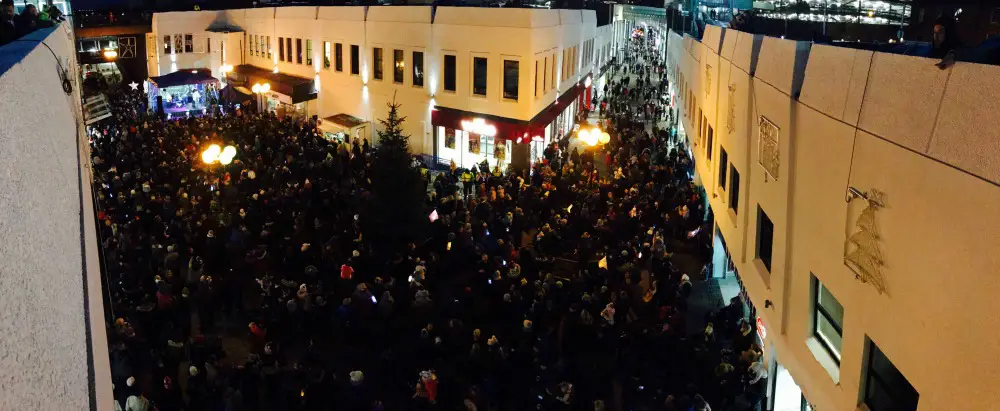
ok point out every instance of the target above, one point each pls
(395, 212)
(866, 257)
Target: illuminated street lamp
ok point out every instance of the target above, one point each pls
(215, 154)
(593, 136)
(260, 90)
(110, 54)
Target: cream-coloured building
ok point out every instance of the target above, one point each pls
(473, 83)
(856, 196)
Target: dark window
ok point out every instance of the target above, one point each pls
(281, 48)
(377, 62)
(338, 56)
(545, 77)
(298, 51)
(994, 18)
(734, 189)
(723, 162)
(309, 52)
(886, 389)
(829, 325)
(188, 43)
(355, 57)
(166, 44)
(288, 49)
(479, 75)
(765, 237)
(208, 45)
(398, 66)
(418, 68)
(449, 72)
(536, 78)
(511, 71)
(708, 148)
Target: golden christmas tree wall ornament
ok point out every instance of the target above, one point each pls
(864, 255)
(731, 110)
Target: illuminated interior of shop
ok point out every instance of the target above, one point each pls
(468, 149)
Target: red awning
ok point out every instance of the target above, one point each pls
(519, 131)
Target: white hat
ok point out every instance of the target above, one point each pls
(357, 376)
(252, 174)
(356, 253)
(193, 370)
(130, 381)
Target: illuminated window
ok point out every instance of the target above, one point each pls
(418, 68)
(398, 66)
(326, 54)
(511, 72)
(178, 43)
(309, 52)
(474, 143)
(479, 75)
(449, 138)
(377, 62)
(268, 46)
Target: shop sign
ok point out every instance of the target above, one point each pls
(479, 126)
(761, 330)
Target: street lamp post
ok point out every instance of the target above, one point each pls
(260, 90)
(593, 136)
(215, 154)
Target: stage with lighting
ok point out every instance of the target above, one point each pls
(183, 93)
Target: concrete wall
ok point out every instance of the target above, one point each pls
(926, 138)
(524, 35)
(50, 279)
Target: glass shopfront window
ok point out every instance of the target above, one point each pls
(469, 149)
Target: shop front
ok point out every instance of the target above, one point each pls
(344, 128)
(288, 95)
(183, 93)
(468, 138)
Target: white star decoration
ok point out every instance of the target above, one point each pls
(134, 85)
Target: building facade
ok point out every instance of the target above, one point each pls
(474, 84)
(855, 199)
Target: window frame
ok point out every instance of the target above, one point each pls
(288, 50)
(871, 375)
(723, 165)
(516, 81)
(338, 57)
(485, 76)
(821, 311)
(268, 40)
(327, 55)
(453, 71)
(734, 189)
(711, 134)
(281, 49)
(398, 66)
(417, 76)
(189, 43)
(355, 60)
(378, 61)
(761, 216)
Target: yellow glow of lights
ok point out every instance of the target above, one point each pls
(211, 154)
(593, 136)
(110, 54)
(260, 88)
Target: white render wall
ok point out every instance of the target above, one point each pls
(525, 35)
(46, 256)
(870, 121)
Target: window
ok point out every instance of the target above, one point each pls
(479, 75)
(765, 238)
(723, 162)
(734, 189)
(474, 142)
(288, 49)
(298, 51)
(252, 45)
(309, 52)
(326, 54)
(829, 324)
(545, 76)
(449, 73)
(553, 82)
(486, 146)
(281, 48)
(178, 43)
(886, 389)
(355, 57)
(536, 78)
(449, 138)
(268, 46)
(377, 63)
(166, 44)
(511, 71)
(398, 66)
(338, 57)
(263, 47)
(709, 147)
(418, 68)
(188, 43)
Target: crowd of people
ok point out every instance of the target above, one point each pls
(14, 26)
(251, 286)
